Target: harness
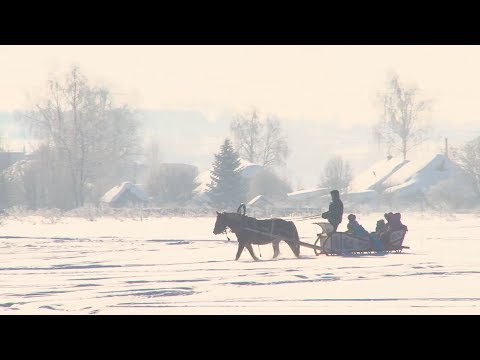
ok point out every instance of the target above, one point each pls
(225, 231)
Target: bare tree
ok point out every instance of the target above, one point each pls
(88, 133)
(402, 126)
(337, 174)
(468, 157)
(172, 183)
(246, 130)
(35, 183)
(259, 140)
(275, 147)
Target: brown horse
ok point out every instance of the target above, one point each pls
(252, 231)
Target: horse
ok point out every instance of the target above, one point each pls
(250, 231)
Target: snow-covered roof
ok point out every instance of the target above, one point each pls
(427, 166)
(375, 174)
(249, 169)
(307, 194)
(203, 179)
(420, 174)
(258, 200)
(15, 171)
(254, 200)
(114, 193)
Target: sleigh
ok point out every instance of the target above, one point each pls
(328, 242)
(337, 243)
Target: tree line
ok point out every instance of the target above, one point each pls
(87, 141)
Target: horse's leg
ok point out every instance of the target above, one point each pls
(250, 250)
(276, 249)
(241, 245)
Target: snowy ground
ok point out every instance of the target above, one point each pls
(177, 266)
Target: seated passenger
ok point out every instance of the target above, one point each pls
(355, 228)
(381, 226)
(396, 223)
(388, 217)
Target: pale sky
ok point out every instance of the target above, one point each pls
(319, 83)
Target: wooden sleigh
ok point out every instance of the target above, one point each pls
(337, 243)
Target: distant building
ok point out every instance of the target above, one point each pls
(310, 198)
(259, 206)
(417, 177)
(125, 194)
(8, 158)
(407, 180)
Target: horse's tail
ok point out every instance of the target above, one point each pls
(295, 246)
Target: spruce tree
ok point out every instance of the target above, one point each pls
(227, 188)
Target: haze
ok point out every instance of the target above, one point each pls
(317, 91)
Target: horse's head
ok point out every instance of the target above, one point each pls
(220, 224)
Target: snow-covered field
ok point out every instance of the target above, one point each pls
(178, 266)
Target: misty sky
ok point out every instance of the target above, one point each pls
(321, 84)
(315, 82)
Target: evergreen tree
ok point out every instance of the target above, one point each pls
(227, 188)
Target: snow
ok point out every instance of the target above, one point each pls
(203, 179)
(249, 170)
(421, 174)
(418, 174)
(307, 194)
(114, 193)
(375, 174)
(254, 200)
(176, 265)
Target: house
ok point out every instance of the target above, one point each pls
(8, 158)
(418, 176)
(309, 198)
(125, 194)
(360, 197)
(374, 177)
(406, 179)
(259, 205)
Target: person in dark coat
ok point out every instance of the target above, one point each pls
(380, 226)
(375, 236)
(335, 210)
(355, 228)
(394, 224)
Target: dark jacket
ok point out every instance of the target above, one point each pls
(356, 229)
(335, 210)
(381, 227)
(395, 223)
